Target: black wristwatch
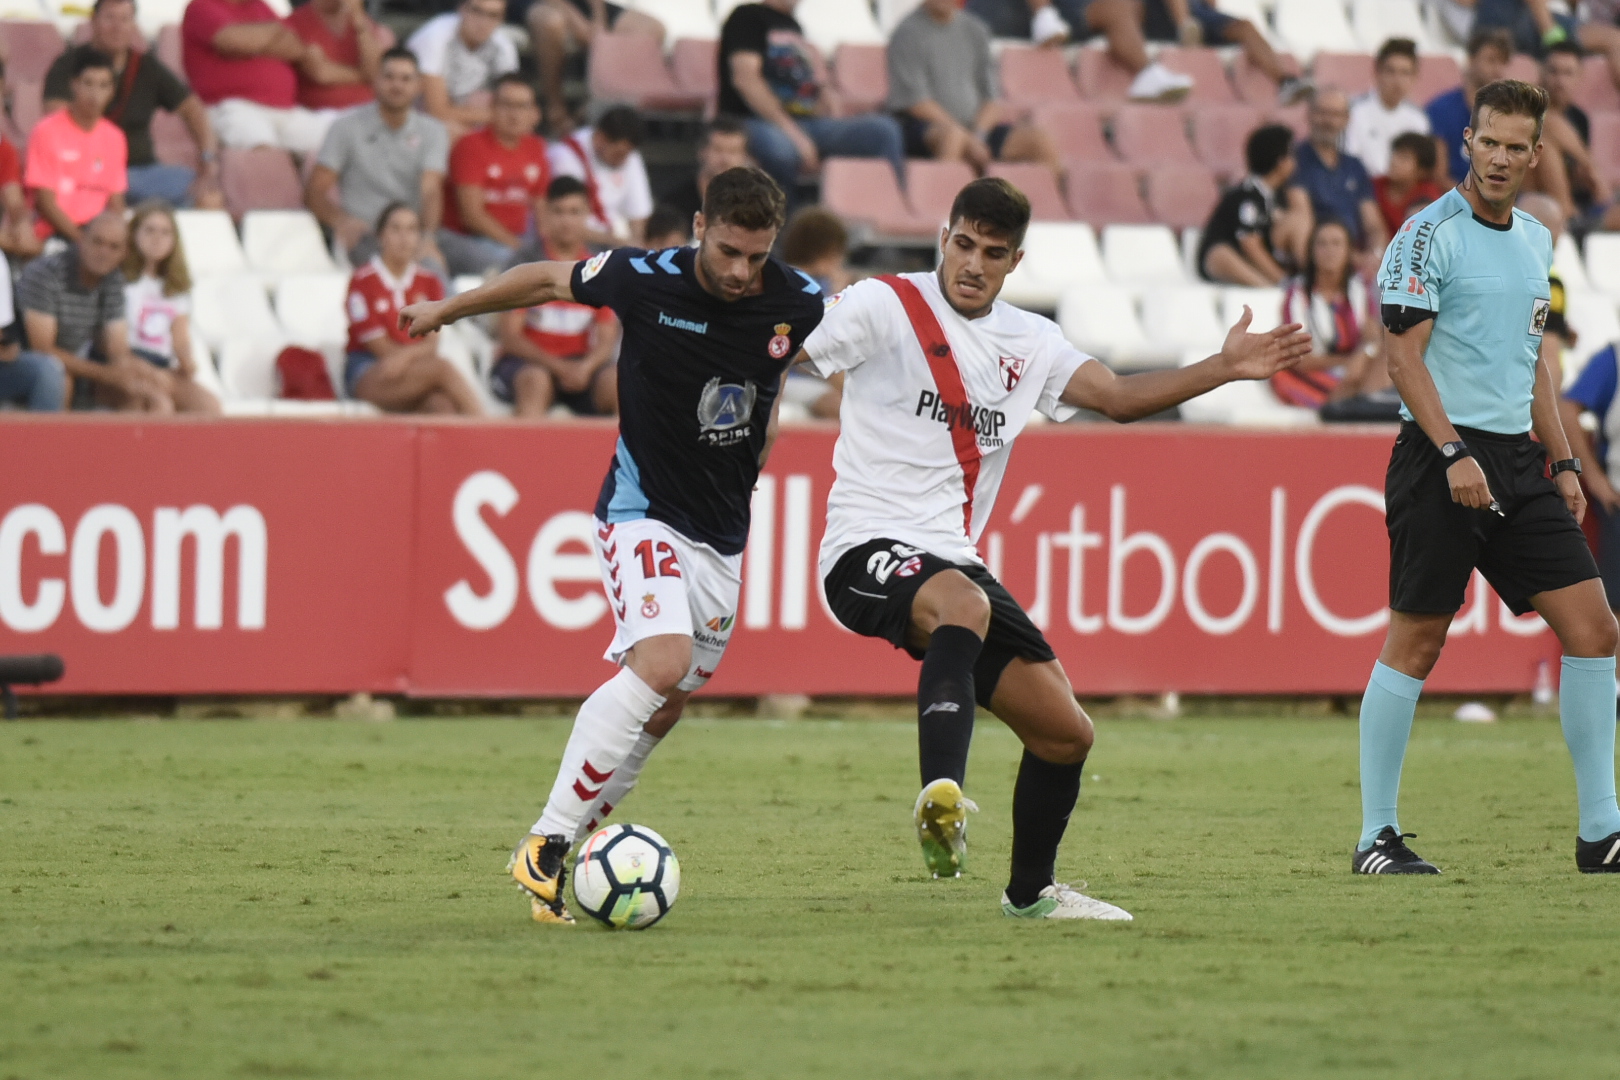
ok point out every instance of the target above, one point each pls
(1572, 464)
(1454, 452)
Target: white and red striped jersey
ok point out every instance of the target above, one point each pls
(932, 404)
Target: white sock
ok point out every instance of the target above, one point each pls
(622, 782)
(604, 734)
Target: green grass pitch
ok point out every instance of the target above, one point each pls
(326, 899)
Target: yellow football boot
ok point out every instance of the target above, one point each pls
(540, 866)
(941, 819)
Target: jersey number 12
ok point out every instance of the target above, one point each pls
(662, 564)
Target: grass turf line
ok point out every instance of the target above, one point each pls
(241, 899)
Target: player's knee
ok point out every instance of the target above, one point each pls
(667, 716)
(1070, 748)
(1601, 638)
(966, 605)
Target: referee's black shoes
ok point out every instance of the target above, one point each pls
(1390, 855)
(1598, 856)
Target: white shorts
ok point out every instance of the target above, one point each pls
(660, 582)
(246, 124)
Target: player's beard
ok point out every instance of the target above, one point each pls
(717, 280)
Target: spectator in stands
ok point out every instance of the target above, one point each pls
(1338, 307)
(1599, 32)
(1546, 210)
(942, 89)
(1534, 27)
(157, 305)
(18, 238)
(33, 381)
(498, 179)
(142, 85)
(668, 227)
(386, 366)
(243, 62)
(724, 146)
(561, 27)
(561, 352)
(380, 154)
(1568, 130)
(1384, 113)
(76, 157)
(1331, 184)
(1239, 242)
(1409, 185)
(73, 317)
(1593, 391)
(775, 81)
(351, 44)
(605, 159)
(1488, 54)
(816, 242)
(462, 55)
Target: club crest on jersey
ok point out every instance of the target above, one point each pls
(649, 607)
(780, 344)
(1012, 369)
(1538, 316)
(594, 266)
(725, 412)
(909, 567)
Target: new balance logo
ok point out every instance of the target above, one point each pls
(942, 706)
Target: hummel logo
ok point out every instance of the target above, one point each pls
(942, 706)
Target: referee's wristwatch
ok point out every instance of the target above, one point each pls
(1567, 465)
(1454, 452)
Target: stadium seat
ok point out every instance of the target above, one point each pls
(1524, 68)
(931, 187)
(280, 243)
(470, 352)
(1257, 12)
(1210, 83)
(1295, 118)
(1603, 262)
(247, 366)
(1106, 193)
(310, 308)
(30, 47)
(865, 190)
(1311, 26)
(890, 12)
(1037, 183)
(1592, 316)
(1100, 77)
(1077, 130)
(231, 306)
(861, 73)
(169, 49)
(1148, 135)
(681, 18)
(1596, 92)
(1181, 196)
(1567, 264)
(263, 178)
(1031, 76)
(210, 243)
(1264, 304)
(27, 103)
(1436, 74)
(172, 141)
(207, 374)
(1255, 86)
(630, 69)
(1182, 318)
(1350, 72)
(1605, 150)
(1376, 21)
(1101, 319)
(1142, 255)
(1219, 133)
(1057, 256)
(694, 65)
(830, 23)
(1245, 403)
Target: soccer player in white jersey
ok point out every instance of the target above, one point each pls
(940, 378)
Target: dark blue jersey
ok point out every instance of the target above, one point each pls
(697, 378)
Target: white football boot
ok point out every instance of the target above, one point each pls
(1059, 901)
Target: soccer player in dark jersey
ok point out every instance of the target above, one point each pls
(708, 336)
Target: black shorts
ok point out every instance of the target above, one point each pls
(503, 384)
(1435, 544)
(914, 133)
(871, 587)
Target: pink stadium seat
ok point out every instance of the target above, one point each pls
(1254, 85)
(694, 64)
(1106, 194)
(862, 75)
(169, 50)
(263, 178)
(30, 47)
(1030, 76)
(1211, 85)
(1436, 75)
(865, 190)
(1076, 127)
(1524, 68)
(931, 187)
(1181, 196)
(1148, 135)
(1219, 133)
(1606, 143)
(1596, 92)
(1295, 118)
(630, 68)
(172, 142)
(1038, 184)
(1100, 77)
(27, 103)
(1350, 72)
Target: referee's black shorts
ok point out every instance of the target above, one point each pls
(1435, 544)
(871, 588)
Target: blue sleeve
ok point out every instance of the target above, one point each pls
(1594, 387)
(606, 280)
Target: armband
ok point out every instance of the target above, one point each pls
(1398, 318)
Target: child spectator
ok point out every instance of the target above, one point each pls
(1237, 245)
(561, 352)
(1384, 113)
(385, 366)
(668, 227)
(1409, 186)
(1336, 305)
(157, 304)
(606, 160)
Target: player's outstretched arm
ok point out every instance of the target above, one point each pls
(522, 286)
(1244, 356)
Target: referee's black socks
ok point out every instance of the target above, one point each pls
(1043, 799)
(945, 703)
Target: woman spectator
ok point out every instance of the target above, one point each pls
(385, 365)
(1336, 304)
(157, 302)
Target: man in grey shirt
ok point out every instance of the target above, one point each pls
(378, 154)
(942, 87)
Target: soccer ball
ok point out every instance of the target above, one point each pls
(626, 876)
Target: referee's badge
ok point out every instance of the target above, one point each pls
(1538, 316)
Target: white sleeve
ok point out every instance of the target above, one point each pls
(8, 308)
(845, 337)
(563, 161)
(1063, 360)
(638, 200)
(507, 61)
(430, 42)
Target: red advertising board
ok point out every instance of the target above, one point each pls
(452, 559)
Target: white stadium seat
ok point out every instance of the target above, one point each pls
(1256, 11)
(152, 15)
(1376, 21)
(247, 366)
(1057, 255)
(277, 243)
(231, 307)
(1603, 262)
(209, 240)
(1101, 320)
(830, 23)
(310, 308)
(207, 372)
(1182, 319)
(890, 12)
(1142, 255)
(1567, 264)
(1266, 304)
(681, 18)
(1311, 26)
(1593, 318)
(1244, 404)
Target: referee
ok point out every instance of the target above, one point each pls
(1465, 295)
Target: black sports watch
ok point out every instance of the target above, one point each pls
(1567, 465)
(1454, 452)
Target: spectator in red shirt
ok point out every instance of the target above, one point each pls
(76, 157)
(498, 179)
(351, 43)
(18, 240)
(561, 352)
(241, 61)
(1409, 186)
(385, 366)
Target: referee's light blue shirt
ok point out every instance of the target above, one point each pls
(1487, 285)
